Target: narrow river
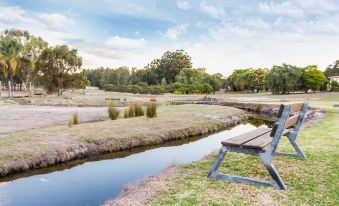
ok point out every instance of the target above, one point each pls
(94, 181)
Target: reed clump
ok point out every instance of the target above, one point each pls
(73, 120)
(113, 112)
(134, 110)
(151, 111)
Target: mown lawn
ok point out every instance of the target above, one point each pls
(314, 181)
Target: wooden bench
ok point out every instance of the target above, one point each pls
(263, 142)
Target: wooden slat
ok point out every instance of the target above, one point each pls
(296, 107)
(259, 142)
(291, 121)
(241, 139)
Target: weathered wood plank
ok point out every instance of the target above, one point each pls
(241, 139)
(259, 142)
(296, 107)
(291, 121)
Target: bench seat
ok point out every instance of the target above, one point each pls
(248, 136)
(256, 139)
(263, 142)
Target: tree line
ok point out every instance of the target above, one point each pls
(25, 58)
(283, 79)
(173, 72)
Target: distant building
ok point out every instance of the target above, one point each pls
(334, 78)
(91, 88)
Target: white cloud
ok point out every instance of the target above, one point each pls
(125, 43)
(183, 5)
(213, 12)
(13, 14)
(257, 23)
(175, 32)
(56, 20)
(285, 8)
(316, 5)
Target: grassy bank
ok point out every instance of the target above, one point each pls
(313, 181)
(39, 148)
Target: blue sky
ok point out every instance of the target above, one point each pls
(219, 35)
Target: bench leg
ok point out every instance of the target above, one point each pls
(217, 162)
(298, 153)
(273, 172)
(214, 174)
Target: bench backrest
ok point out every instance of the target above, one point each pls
(290, 116)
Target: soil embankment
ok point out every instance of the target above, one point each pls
(45, 147)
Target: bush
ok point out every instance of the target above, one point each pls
(142, 84)
(131, 111)
(70, 122)
(134, 110)
(75, 118)
(334, 85)
(151, 111)
(140, 88)
(113, 113)
(126, 114)
(138, 111)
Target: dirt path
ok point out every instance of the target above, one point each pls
(14, 118)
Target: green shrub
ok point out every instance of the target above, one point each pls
(126, 114)
(334, 85)
(113, 113)
(131, 111)
(151, 111)
(138, 111)
(70, 122)
(75, 118)
(140, 88)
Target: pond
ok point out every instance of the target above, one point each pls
(95, 180)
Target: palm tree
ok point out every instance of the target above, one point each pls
(9, 54)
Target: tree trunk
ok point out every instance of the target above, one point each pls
(10, 78)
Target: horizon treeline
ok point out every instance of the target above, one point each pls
(172, 73)
(283, 79)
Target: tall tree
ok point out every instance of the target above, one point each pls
(10, 49)
(238, 80)
(312, 78)
(55, 67)
(332, 70)
(22, 36)
(284, 78)
(170, 65)
(30, 54)
(256, 79)
(190, 76)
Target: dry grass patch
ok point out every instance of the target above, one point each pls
(60, 143)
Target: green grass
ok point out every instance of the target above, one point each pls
(313, 181)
